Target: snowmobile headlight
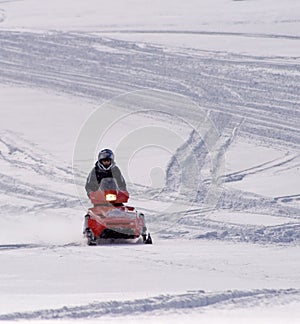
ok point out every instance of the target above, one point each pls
(111, 197)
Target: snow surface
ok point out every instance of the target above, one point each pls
(200, 102)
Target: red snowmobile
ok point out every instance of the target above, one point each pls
(110, 219)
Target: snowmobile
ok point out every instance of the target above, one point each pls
(110, 219)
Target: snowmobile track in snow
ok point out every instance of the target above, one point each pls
(257, 95)
(161, 304)
(97, 67)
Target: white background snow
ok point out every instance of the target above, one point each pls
(200, 101)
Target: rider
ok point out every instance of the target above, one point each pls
(105, 167)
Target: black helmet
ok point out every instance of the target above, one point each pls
(106, 154)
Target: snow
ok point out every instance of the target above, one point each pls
(200, 102)
(253, 219)
(204, 279)
(279, 169)
(248, 27)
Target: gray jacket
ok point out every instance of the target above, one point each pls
(97, 174)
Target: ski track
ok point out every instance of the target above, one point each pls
(196, 300)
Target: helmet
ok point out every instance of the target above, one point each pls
(106, 154)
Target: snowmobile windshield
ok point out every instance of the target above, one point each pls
(108, 184)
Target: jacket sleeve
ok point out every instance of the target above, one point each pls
(91, 182)
(116, 172)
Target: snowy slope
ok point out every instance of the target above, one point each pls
(200, 102)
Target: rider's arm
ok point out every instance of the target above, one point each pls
(91, 182)
(116, 172)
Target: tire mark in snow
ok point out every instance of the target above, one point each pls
(162, 304)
